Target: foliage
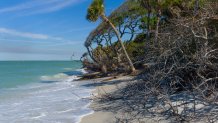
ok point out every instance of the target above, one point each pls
(95, 10)
(178, 59)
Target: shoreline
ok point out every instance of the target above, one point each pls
(46, 101)
(101, 88)
(82, 116)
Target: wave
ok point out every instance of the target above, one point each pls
(70, 75)
(39, 116)
(57, 102)
(56, 77)
(72, 78)
(68, 68)
(62, 101)
(82, 70)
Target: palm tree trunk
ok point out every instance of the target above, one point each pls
(119, 39)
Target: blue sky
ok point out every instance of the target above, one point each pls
(45, 29)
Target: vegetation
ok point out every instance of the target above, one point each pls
(174, 43)
(96, 10)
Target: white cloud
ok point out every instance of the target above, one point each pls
(55, 6)
(50, 41)
(45, 43)
(40, 6)
(28, 34)
(23, 6)
(23, 34)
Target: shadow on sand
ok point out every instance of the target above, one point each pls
(135, 103)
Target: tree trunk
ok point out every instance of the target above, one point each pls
(119, 39)
(196, 7)
(148, 31)
(104, 69)
(156, 43)
(90, 54)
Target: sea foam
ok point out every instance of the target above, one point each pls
(62, 102)
(56, 77)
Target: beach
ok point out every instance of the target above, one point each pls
(102, 87)
(63, 96)
(53, 94)
(112, 112)
(109, 61)
(107, 109)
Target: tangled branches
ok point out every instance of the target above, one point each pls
(180, 83)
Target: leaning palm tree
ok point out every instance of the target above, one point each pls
(95, 11)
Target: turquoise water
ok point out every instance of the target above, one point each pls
(42, 92)
(16, 73)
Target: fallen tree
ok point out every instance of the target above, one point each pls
(180, 81)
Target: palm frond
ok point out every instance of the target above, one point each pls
(95, 10)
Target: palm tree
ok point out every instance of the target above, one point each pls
(95, 11)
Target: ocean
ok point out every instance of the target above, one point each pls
(42, 92)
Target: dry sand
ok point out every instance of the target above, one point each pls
(104, 85)
(99, 117)
(108, 85)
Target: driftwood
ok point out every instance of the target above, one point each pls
(91, 75)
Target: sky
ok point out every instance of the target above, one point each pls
(45, 29)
